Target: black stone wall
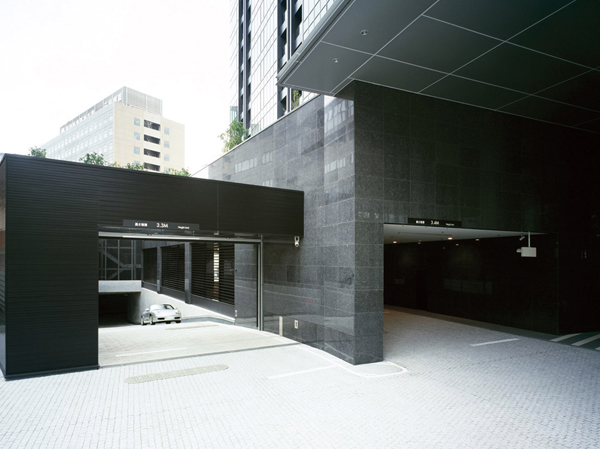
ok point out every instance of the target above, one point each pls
(375, 155)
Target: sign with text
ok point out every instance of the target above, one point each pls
(144, 224)
(432, 222)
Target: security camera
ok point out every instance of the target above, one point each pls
(297, 241)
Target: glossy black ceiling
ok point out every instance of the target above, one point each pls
(533, 58)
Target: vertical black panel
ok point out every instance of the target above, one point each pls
(52, 276)
(173, 267)
(213, 271)
(3, 266)
(150, 265)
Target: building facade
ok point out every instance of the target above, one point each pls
(447, 132)
(264, 35)
(126, 127)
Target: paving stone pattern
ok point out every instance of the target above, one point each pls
(524, 393)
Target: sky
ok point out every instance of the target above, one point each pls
(60, 57)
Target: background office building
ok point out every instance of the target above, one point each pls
(264, 35)
(126, 127)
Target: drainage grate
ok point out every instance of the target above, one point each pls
(173, 374)
(191, 327)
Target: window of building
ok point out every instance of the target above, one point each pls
(167, 145)
(152, 167)
(151, 153)
(152, 125)
(148, 138)
(167, 158)
(166, 130)
(136, 150)
(136, 136)
(136, 121)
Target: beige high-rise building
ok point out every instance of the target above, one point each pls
(126, 127)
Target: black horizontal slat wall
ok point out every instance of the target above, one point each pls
(173, 267)
(226, 273)
(53, 213)
(262, 210)
(204, 266)
(52, 267)
(2, 266)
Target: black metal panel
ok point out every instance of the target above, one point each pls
(2, 266)
(173, 267)
(54, 211)
(213, 271)
(52, 274)
(150, 266)
(259, 210)
(215, 306)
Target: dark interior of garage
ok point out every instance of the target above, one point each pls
(487, 280)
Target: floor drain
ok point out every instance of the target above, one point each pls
(173, 374)
(191, 327)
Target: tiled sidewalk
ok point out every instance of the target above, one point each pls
(512, 392)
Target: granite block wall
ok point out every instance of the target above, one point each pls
(374, 155)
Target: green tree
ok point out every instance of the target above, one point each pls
(37, 152)
(182, 172)
(134, 166)
(296, 95)
(93, 158)
(234, 135)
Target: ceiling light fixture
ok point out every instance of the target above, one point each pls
(336, 60)
(364, 32)
(394, 241)
(449, 238)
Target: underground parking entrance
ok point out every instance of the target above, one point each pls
(53, 214)
(501, 277)
(212, 283)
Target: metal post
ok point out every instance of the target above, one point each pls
(261, 315)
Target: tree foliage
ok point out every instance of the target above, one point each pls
(98, 159)
(37, 152)
(235, 134)
(93, 158)
(182, 172)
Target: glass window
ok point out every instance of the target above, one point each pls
(136, 136)
(167, 157)
(136, 121)
(167, 145)
(167, 131)
(136, 150)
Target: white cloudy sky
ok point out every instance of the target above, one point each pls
(60, 57)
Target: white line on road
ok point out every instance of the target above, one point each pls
(149, 352)
(587, 340)
(564, 337)
(302, 372)
(494, 342)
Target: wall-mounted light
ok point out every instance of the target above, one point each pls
(449, 238)
(394, 241)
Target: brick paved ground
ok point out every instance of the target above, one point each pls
(524, 393)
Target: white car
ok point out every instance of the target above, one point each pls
(160, 313)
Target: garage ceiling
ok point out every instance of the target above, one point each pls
(532, 58)
(393, 233)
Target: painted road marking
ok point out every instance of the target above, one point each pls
(564, 337)
(587, 340)
(149, 352)
(494, 342)
(302, 372)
